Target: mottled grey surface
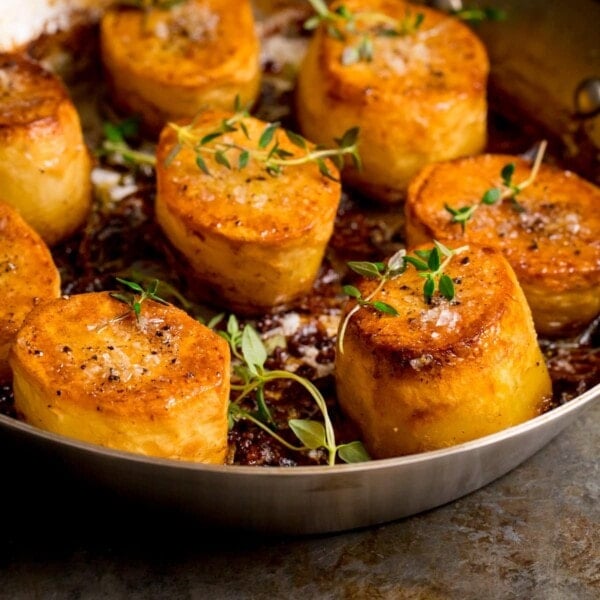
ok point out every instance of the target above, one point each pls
(534, 534)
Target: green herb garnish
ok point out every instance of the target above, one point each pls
(478, 15)
(341, 23)
(136, 297)
(266, 150)
(250, 356)
(508, 190)
(430, 263)
(116, 136)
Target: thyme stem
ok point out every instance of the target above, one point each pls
(354, 310)
(240, 413)
(507, 191)
(129, 154)
(312, 389)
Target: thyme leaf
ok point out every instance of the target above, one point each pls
(382, 272)
(116, 143)
(429, 263)
(478, 15)
(250, 353)
(137, 296)
(342, 24)
(267, 150)
(508, 190)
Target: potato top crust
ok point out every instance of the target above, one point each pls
(556, 239)
(248, 204)
(439, 60)
(28, 93)
(424, 335)
(210, 40)
(27, 271)
(89, 350)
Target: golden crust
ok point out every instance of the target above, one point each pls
(169, 64)
(44, 163)
(553, 245)
(444, 373)
(254, 240)
(421, 99)
(158, 387)
(27, 276)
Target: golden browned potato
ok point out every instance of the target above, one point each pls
(254, 241)
(418, 96)
(169, 64)
(444, 372)
(551, 238)
(44, 163)
(86, 368)
(27, 276)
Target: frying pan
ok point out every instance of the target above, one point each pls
(302, 500)
(318, 499)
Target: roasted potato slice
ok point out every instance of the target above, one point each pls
(86, 368)
(27, 275)
(444, 372)
(551, 237)
(418, 96)
(254, 241)
(169, 64)
(44, 163)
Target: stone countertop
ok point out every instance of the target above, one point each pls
(534, 534)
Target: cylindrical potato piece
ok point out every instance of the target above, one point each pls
(44, 163)
(27, 276)
(168, 64)
(420, 98)
(87, 368)
(444, 372)
(254, 241)
(551, 237)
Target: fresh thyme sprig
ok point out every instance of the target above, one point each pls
(135, 300)
(266, 150)
(341, 23)
(383, 272)
(430, 263)
(509, 190)
(146, 275)
(478, 15)
(115, 143)
(250, 355)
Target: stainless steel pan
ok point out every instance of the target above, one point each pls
(305, 499)
(325, 499)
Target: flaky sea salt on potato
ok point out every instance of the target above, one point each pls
(157, 384)
(169, 63)
(426, 366)
(412, 78)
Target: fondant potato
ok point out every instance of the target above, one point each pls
(165, 64)
(254, 241)
(27, 276)
(86, 368)
(44, 163)
(551, 238)
(418, 97)
(444, 372)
